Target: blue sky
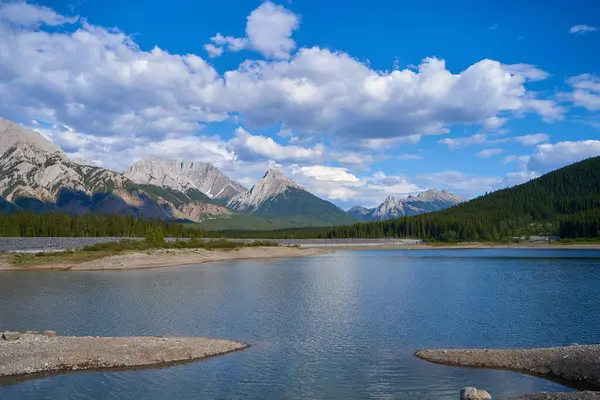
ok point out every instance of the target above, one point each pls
(355, 103)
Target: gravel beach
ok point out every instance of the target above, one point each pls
(167, 258)
(575, 365)
(35, 353)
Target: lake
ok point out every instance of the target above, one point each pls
(338, 326)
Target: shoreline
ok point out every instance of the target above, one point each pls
(31, 355)
(577, 366)
(161, 258)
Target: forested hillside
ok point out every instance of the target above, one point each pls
(565, 202)
(32, 224)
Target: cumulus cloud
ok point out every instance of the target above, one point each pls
(586, 91)
(252, 147)
(338, 184)
(487, 153)
(582, 29)
(268, 31)
(527, 71)
(551, 156)
(532, 140)
(31, 16)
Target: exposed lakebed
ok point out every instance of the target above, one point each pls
(340, 325)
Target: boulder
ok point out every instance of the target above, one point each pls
(11, 335)
(471, 393)
(49, 333)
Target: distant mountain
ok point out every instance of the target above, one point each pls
(427, 201)
(275, 196)
(36, 175)
(185, 176)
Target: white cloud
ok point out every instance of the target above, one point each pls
(487, 153)
(250, 148)
(453, 144)
(460, 183)
(337, 184)
(407, 156)
(268, 31)
(551, 156)
(528, 71)
(99, 81)
(586, 91)
(582, 29)
(29, 15)
(493, 123)
(532, 140)
(324, 173)
(212, 50)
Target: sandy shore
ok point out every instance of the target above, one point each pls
(34, 354)
(169, 258)
(576, 365)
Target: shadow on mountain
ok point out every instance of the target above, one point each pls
(76, 202)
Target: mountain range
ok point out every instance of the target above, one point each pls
(36, 175)
(427, 201)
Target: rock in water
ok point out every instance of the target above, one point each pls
(49, 333)
(471, 393)
(11, 335)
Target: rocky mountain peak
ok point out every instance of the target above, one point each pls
(427, 201)
(184, 175)
(12, 135)
(273, 183)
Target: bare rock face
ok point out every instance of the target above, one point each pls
(471, 393)
(185, 175)
(11, 335)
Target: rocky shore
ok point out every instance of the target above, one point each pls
(576, 365)
(32, 353)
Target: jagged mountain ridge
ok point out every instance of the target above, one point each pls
(277, 196)
(185, 175)
(427, 201)
(37, 175)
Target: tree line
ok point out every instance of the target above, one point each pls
(31, 224)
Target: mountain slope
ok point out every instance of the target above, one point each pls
(427, 201)
(281, 202)
(184, 176)
(557, 202)
(35, 175)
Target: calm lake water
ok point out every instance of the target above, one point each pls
(338, 326)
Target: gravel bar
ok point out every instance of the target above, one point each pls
(575, 365)
(35, 353)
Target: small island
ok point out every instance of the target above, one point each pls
(33, 353)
